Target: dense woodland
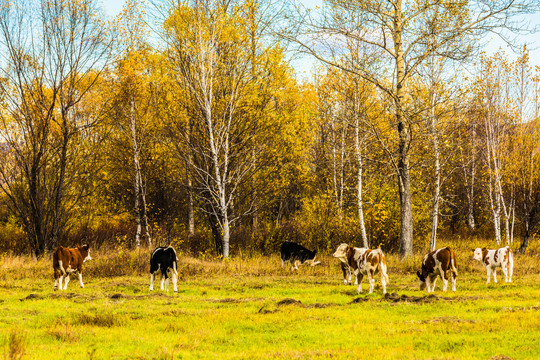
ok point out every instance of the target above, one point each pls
(186, 123)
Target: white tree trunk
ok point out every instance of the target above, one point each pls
(437, 169)
(191, 213)
(136, 170)
(145, 210)
(359, 181)
(494, 195)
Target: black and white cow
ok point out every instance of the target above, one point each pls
(492, 259)
(163, 260)
(296, 254)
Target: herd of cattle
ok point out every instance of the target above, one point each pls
(358, 261)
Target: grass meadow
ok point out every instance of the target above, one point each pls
(251, 308)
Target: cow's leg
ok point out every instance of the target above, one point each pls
(165, 275)
(383, 283)
(494, 270)
(444, 281)
(346, 273)
(454, 278)
(151, 281)
(510, 269)
(504, 268)
(66, 281)
(295, 265)
(431, 284)
(174, 277)
(488, 269)
(162, 282)
(80, 280)
(371, 281)
(359, 282)
(63, 274)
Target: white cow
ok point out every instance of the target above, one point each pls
(492, 259)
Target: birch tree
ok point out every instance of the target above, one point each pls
(468, 162)
(134, 102)
(208, 52)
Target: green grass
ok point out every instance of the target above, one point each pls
(253, 309)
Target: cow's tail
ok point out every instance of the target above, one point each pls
(175, 261)
(510, 264)
(175, 267)
(382, 265)
(453, 265)
(61, 266)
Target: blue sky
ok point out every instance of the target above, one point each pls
(113, 7)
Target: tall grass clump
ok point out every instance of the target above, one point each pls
(98, 319)
(16, 344)
(63, 331)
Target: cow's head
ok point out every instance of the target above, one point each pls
(341, 252)
(85, 252)
(478, 254)
(421, 280)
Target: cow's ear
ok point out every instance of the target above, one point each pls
(418, 274)
(314, 252)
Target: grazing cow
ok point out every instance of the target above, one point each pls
(67, 261)
(438, 263)
(297, 255)
(164, 259)
(491, 259)
(362, 261)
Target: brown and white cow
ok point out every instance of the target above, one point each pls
(438, 263)
(67, 261)
(492, 259)
(362, 261)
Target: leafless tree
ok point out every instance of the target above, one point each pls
(52, 53)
